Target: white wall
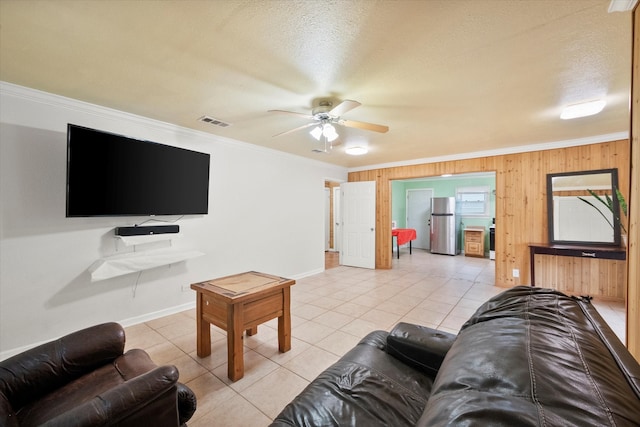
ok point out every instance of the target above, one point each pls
(266, 213)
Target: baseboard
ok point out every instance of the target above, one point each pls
(158, 314)
(125, 323)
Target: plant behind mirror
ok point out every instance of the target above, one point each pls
(609, 203)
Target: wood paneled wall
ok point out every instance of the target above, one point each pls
(605, 278)
(521, 207)
(633, 251)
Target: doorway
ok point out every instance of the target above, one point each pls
(331, 218)
(332, 224)
(407, 192)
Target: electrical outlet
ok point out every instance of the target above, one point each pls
(185, 288)
(516, 272)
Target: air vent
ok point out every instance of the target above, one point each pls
(214, 121)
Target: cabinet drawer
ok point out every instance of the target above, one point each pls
(473, 237)
(473, 247)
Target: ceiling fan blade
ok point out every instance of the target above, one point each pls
(296, 129)
(364, 125)
(306, 116)
(343, 107)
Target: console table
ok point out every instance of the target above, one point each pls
(601, 269)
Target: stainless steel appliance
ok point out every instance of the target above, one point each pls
(492, 240)
(444, 226)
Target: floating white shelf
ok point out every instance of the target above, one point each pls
(148, 238)
(132, 262)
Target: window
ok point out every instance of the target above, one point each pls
(473, 201)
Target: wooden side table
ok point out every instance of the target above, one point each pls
(240, 303)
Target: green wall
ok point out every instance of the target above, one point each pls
(445, 187)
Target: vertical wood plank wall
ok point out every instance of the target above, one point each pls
(583, 276)
(521, 207)
(633, 251)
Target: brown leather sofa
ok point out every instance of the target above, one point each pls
(84, 379)
(527, 357)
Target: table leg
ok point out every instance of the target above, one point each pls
(203, 330)
(532, 262)
(284, 322)
(252, 331)
(398, 246)
(235, 354)
(409, 247)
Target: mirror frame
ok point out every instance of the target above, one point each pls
(616, 208)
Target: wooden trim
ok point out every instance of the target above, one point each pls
(633, 272)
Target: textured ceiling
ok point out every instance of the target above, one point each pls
(447, 77)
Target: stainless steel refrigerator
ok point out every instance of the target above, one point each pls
(444, 226)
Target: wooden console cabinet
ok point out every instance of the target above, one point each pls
(474, 241)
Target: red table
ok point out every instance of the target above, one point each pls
(402, 235)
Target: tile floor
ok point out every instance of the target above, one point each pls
(331, 311)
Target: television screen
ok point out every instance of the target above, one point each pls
(112, 175)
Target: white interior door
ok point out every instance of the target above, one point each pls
(419, 214)
(358, 224)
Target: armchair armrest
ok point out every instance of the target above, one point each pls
(30, 375)
(421, 347)
(187, 403)
(150, 396)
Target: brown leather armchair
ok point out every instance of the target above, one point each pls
(84, 379)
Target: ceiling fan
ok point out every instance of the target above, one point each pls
(325, 115)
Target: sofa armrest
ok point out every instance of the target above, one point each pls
(148, 399)
(421, 347)
(32, 374)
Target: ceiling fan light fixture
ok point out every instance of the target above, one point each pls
(329, 132)
(356, 150)
(316, 132)
(582, 109)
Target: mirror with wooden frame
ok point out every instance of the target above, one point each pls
(577, 208)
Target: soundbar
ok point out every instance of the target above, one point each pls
(147, 230)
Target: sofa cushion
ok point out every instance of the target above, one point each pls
(531, 357)
(365, 387)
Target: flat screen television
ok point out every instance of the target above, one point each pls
(113, 175)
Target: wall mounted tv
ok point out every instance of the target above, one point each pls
(112, 175)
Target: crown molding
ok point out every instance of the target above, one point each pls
(502, 151)
(59, 101)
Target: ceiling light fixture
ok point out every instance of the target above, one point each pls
(356, 151)
(621, 5)
(582, 109)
